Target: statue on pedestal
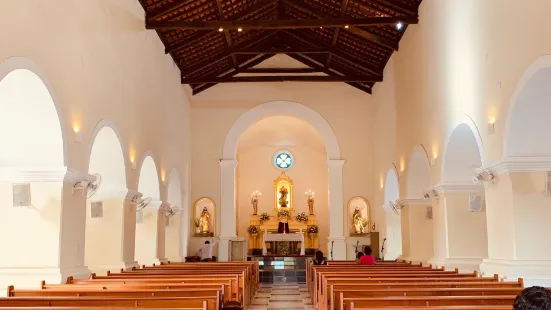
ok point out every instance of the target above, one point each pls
(310, 201)
(204, 221)
(283, 198)
(358, 222)
(254, 201)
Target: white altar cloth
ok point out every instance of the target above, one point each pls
(283, 237)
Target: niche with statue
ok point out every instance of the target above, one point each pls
(204, 217)
(359, 221)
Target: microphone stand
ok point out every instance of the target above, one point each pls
(332, 243)
(383, 249)
(356, 251)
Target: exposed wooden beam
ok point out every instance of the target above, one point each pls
(282, 24)
(282, 78)
(393, 5)
(344, 5)
(280, 70)
(273, 50)
(245, 66)
(188, 41)
(162, 11)
(226, 31)
(357, 31)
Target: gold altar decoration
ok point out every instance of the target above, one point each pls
(203, 215)
(283, 193)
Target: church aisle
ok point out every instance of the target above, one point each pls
(282, 296)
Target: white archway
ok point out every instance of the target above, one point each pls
(229, 163)
(104, 234)
(174, 239)
(31, 135)
(528, 118)
(418, 173)
(462, 155)
(146, 227)
(393, 223)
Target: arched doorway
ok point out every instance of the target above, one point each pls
(146, 219)
(31, 136)
(417, 225)
(393, 234)
(175, 236)
(104, 234)
(229, 162)
(465, 248)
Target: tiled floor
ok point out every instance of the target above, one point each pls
(282, 296)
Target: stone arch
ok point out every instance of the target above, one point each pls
(228, 164)
(37, 116)
(104, 235)
(463, 153)
(146, 229)
(528, 123)
(175, 236)
(31, 134)
(281, 108)
(418, 173)
(393, 222)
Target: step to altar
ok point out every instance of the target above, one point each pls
(282, 269)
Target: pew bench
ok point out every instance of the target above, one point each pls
(503, 300)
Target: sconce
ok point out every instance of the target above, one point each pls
(433, 161)
(491, 128)
(133, 162)
(78, 136)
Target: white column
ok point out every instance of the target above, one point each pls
(336, 211)
(161, 235)
(129, 230)
(184, 226)
(227, 207)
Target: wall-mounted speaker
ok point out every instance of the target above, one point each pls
(96, 209)
(429, 212)
(476, 203)
(139, 216)
(22, 195)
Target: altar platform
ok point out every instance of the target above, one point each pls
(281, 269)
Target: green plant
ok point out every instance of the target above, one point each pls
(197, 222)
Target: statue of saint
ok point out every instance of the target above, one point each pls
(254, 201)
(311, 204)
(204, 221)
(359, 222)
(283, 198)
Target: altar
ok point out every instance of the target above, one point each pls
(297, 237)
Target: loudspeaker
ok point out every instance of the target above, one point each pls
(429, 212)
(22, 195)
(139, 217)
(96, 209)
(476, 203)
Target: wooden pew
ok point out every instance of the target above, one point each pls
(95, 308)
(504, 300)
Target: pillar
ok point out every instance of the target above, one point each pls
(129, 230)
(228, 210)
(518, 212)
(161, 233)
(337, 240)
(460, 238)
(417, 230)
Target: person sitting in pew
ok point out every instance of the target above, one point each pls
(359, 255)
(367, 258)
(319, 260)
(205, 251)
(533, 298)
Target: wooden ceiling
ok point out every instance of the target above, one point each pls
(347, 41)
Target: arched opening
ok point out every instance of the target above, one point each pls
(30, 136)
(229, 188)
(175, 236)
(104, 210)
(417, 225)
(146, 219)
(393, 223)
(462, 156)
(268, 148)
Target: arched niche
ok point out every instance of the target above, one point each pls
(365, 210)
(103, 228)
(418, 173)
(198, 206)
(175, 236)
(30, 135)
(146, 228)
(528, 125)
(393, 222)
(462, 155)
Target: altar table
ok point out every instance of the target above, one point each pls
(299, 237)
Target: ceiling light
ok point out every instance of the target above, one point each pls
(346, 26)
(221, 29)
(399, 26)
(239, 29)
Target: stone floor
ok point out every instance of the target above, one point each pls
(282, 296)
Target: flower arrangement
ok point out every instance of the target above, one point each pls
(197, 222)
(301, 217)
(264, 217)
(312, 230)
(283, 213)
(252, 230)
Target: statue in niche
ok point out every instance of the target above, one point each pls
(358, 222)
(254, 201)
(204, 221)
(283, 198)
(311, 204)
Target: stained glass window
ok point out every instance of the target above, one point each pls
(283, 160)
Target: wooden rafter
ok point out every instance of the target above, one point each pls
(226, 31)
(344, 22)
(162, 11)
(283, 78)
(186, 42)
(280, 70)
(396, 7)
(344, 4)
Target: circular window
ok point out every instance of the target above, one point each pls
(283, 160)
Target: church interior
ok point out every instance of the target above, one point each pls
(203, 154)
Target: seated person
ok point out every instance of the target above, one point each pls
(367, 258)
(533, 298)
(319, 260)
(359, 255)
